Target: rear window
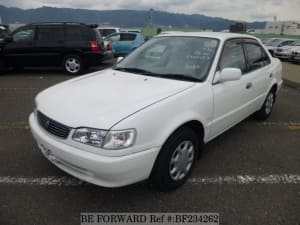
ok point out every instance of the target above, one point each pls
(127, 37)
(77, 33)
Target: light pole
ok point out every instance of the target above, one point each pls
(151, 17)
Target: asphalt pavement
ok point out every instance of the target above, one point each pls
(250, 174)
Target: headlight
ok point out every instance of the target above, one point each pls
(89, 136)
(119, 139)
(105, 139)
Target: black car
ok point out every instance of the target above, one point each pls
(75, 46)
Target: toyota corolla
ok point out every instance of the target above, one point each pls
(148, 116)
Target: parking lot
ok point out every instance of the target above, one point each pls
(250, 174)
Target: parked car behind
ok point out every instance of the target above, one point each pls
(271, 46)
(124, 42)
(148, 116)
(75, 46)
(267, 41)
(285, 52)
(295, 55)
(105, 31)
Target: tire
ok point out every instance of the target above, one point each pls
(2, 67)
(176, 160)
(265, 111)
(73, 64)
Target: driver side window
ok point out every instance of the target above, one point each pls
(233, 56)
(24, 35)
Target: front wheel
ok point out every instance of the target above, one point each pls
(265, 111)
(176, 160)
(73, 64)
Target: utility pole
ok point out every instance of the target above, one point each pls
(151, 17)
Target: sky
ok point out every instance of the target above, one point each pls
(246, 10)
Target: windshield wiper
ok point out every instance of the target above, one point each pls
(180, 77)
(133, 70)
(161, 75)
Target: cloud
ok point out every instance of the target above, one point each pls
(231, 9)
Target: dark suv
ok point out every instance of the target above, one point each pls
(75, 46)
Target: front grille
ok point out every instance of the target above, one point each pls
(52, 126)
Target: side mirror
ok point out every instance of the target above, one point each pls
(230, 74)
(119, 59)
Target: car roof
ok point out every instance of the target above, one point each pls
(116, 28)
(218, 35)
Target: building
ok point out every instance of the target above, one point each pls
(283, 27)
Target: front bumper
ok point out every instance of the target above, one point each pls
(94, 168)
(295, 58)
(96, 58)
(282, 55)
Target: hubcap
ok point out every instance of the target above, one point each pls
(72, 65)
(181, 160)
(269, 103)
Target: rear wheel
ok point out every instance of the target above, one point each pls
(2, 67)
(73, 64)
(176, 160)
(267, 107)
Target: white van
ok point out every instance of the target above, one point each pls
(105, 31)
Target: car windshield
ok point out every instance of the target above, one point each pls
(276, 42)
(183, 58)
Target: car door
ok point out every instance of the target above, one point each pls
(231, 97)
(49, 45)
(259, 73)
(20, 50)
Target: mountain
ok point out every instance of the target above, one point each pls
(121, 18)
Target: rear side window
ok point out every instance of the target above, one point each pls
(77, 33)
(50, 34)
(233, 56)
(257, 58)
(127, 37)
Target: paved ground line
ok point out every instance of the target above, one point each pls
(237, 179)
(249, 179)
(5, 127)
(17, 89)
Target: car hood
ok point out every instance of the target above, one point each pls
(296, 49)
(269, 47)
(102, 99)
(287, 47)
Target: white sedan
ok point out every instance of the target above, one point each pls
(285, 52)
(149, 115)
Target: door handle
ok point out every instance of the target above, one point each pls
(249, 85)
(271, 75)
